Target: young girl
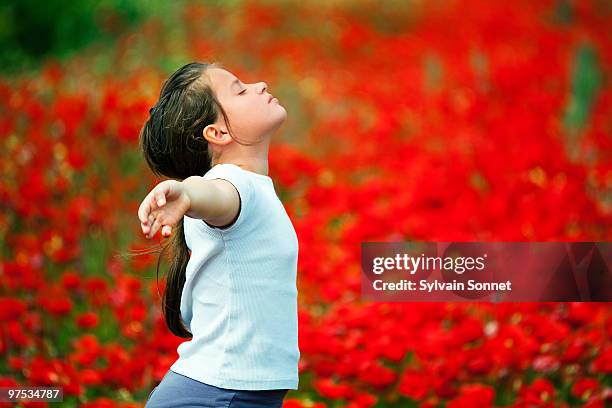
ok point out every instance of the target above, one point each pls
(231, 286)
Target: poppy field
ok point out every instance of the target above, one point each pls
(407, 121)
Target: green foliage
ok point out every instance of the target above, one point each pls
(31, 30)
(586, 80)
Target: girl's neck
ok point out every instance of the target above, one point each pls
(252, 164)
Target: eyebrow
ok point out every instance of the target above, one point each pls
(235, 81)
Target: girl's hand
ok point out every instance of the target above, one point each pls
(163, 207)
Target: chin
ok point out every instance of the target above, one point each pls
(278, 123)
(285, 113)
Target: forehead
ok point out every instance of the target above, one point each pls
(221, 77)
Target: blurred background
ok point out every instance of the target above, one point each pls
(407, 120)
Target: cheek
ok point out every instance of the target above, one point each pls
(243, 105)
(245, 114)
(248, 113)
(253, 107)
(235, 109)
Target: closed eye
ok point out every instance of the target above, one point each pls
(242, 92)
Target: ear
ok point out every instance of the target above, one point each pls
(215, 134)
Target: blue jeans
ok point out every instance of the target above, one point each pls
(178, 391)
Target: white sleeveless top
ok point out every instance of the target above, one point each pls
(240, 296)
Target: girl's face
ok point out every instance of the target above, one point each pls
(253, 116)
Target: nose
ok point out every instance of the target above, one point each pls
(264, 86)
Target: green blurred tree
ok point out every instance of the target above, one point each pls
(31, 30)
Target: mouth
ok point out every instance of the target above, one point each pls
(270, 98)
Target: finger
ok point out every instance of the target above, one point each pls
(160, 194)
(154, 228)
(150, 219)
(143, 211)
(146, 207)
(161, 199)
(153, 202)
(166, 230)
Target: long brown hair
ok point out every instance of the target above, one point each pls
(173, 146)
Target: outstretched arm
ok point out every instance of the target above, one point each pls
(215, 201)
